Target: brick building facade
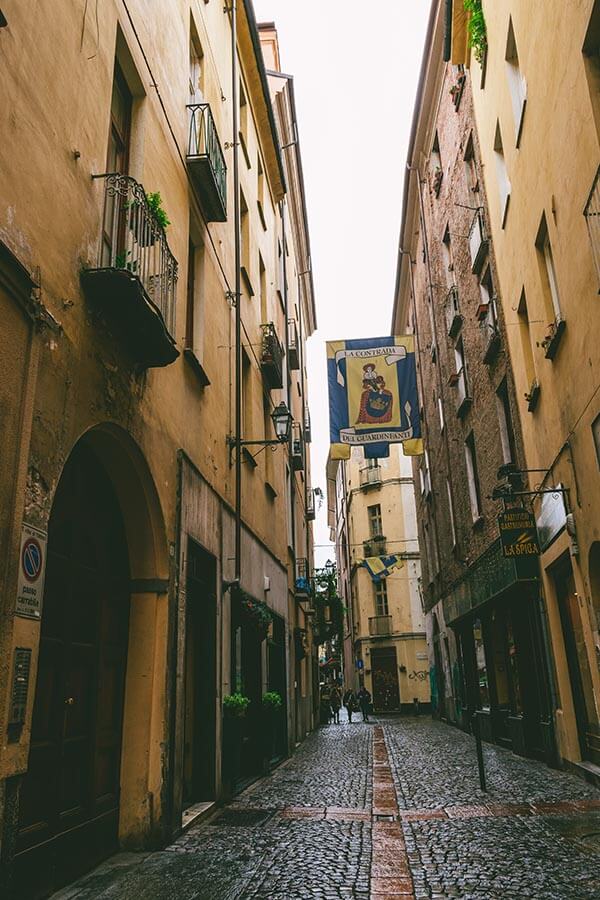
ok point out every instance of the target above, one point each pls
(484, 624)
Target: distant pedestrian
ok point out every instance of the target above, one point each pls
(335, 698)
(364, 699)
(350, 702)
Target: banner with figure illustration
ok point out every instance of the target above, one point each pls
(373, 396)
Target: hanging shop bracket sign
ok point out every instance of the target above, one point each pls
(518, 533)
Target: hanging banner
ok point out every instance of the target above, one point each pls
(373, 396)
(380, 567)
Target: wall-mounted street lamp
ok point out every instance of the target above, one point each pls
(282, 422)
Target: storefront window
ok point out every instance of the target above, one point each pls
(482, 674)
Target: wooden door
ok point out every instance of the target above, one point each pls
(69, 802)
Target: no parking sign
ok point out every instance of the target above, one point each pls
(32, 565)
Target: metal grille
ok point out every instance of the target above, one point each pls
(204, 142)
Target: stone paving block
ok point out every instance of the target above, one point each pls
(466, 812)
(392, 885)
(302, 812)
(407, 815)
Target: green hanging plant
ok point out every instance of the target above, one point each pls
(235, 705)
(155, 204)
(272, 700)
(477, 29)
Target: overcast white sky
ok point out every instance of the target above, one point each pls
(355, 69)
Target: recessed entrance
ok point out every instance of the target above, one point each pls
(384, 667)
(69, 803)
(199, 759)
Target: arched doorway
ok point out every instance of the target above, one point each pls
(96, 745)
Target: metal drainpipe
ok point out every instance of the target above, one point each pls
(238, 305)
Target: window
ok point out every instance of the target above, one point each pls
(501, 175)
(424, 475)
(196, 80)
(471, 176)
(246, 396)
(194, 330)
(117, 160)
(596, 436)
(260, 201)
(473, 478)
(375, 523)
(381, 599)
(547, 272)
(243, 132)
(435, 165)
(507, 437)
(245, 235)
(451, 511)
(482, 675)
(525, 334)
(441, 413)
(264, 300)
(461, 371)
(516, 83)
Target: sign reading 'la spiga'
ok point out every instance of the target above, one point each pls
(518, 533)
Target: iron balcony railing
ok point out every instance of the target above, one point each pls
(133, 240)
(311, 510)
(293, 347)
(302, 581)
(379, 625)
(375, 546)
(297, 447)
(592, 217)
(204, 145)
(370, 475)
(453, 316)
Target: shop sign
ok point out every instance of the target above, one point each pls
(552, 518)
(518, 533)
(32, 566)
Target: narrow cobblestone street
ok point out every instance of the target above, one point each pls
(375, 811)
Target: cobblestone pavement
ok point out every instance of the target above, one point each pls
(381, 811)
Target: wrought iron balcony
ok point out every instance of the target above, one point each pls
(293, 347)
(379, 625)
(135, 279)
(307, 428)
(297, 447)
(478, 242)
(370, 476)
(302, 581)
(206, 163)
(375, 546)
(311, 510)
(490, 341)
(271, 358)
(453, 316)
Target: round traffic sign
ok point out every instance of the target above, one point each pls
(31, 559)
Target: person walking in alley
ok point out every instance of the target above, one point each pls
(335, 698)
(350, 702)
(364, 699)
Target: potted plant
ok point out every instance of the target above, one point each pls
(154, 201)
(257, 613)
(234, 712)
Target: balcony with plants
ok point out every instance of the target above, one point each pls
(134, 281)
(206, 162)
(271, 357)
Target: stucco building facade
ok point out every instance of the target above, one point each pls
(118, 398)
(372, 514)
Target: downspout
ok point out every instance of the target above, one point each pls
(237, 299)
(448, 32)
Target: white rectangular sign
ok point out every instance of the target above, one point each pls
(32, 567)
